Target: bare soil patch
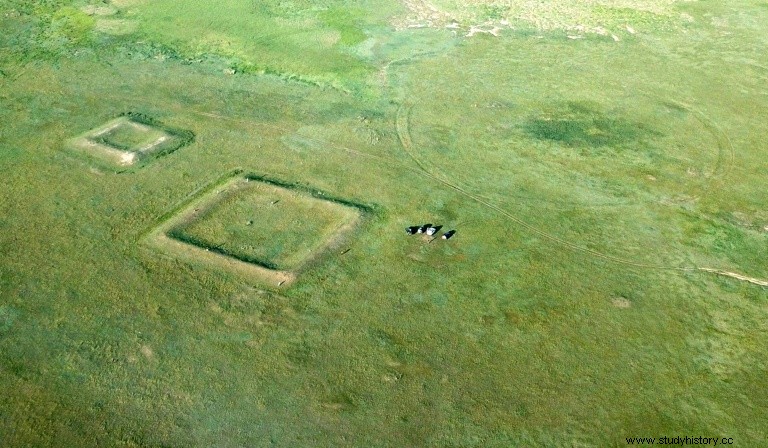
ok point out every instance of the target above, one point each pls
(744, 278)
(621, 302)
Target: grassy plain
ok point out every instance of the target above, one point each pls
(588, 177)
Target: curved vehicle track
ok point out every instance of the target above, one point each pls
(404, 136)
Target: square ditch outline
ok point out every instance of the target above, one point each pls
(128, 141)
(168, 236)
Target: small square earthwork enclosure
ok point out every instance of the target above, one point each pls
(257, 227)
(129, 141)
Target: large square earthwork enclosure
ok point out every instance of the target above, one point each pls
(128, 141)
(260, 228)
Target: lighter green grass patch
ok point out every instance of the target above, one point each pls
(115, 27)
(71, 24)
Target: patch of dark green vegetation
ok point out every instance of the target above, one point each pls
(582, 124)
(141, 50)
(249, 68)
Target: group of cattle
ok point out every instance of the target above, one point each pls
(429, 229)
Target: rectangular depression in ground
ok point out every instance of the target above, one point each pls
(127, 141)
(257, 227)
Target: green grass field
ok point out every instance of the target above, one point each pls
(603, 163)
